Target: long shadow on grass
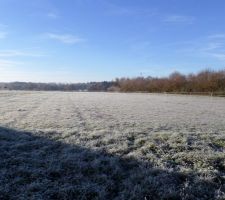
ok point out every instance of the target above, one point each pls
(36, 167)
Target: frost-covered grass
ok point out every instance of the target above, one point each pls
(58, 145)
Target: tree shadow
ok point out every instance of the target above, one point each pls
(34, 166)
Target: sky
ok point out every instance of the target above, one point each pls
(94, 40)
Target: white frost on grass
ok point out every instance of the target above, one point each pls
(111, 146)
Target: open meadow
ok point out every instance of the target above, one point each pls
(71, 145)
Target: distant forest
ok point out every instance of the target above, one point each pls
(92, 86)
(204, 81)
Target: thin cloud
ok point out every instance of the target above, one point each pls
(209, 46)
(45, 15)
(3, 34)
(113, 9)
(179, 19)
(217, 36)
(118, 10)
(220, 56)
(18, 53)
(215, 46)
(52, 15)
(3, 25)
(8, 63)
(65, 38)
(132, 12)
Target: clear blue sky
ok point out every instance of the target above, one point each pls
(95, 40)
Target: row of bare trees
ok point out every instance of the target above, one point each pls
(91, 86)
(204, 81)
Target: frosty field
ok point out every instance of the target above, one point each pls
(68, 145)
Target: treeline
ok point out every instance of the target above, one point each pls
(92, 86)
(204, 81)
